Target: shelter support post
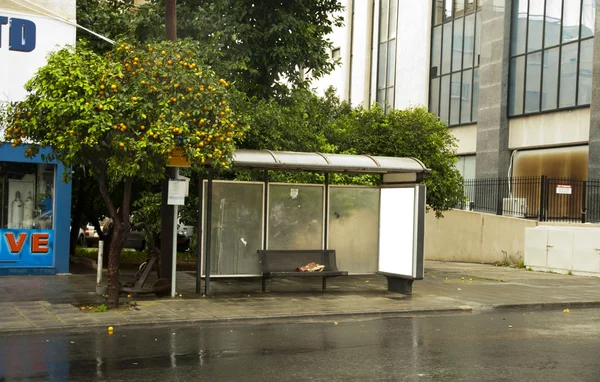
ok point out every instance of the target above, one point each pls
(326, 218)
(208, 237)
(399, 285)
(266, 209)
(199, 234)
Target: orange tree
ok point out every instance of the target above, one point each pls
(122, 116)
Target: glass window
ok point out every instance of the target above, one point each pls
(477, 38)
(465, 107)
(550, 82)
(381, 70)
(515, 91)
(27, 195)
(436, 48)
(381, 97)
(444, 101)
(393, 19)
(475, 106)
(570, 30)
(391, 60)
(383, 20)
(387, 52)
(584, 96)
(434, 96)
(552, 22)
(455, 94)
(533, 86)
(536, 25)
(455, 53)
(447, 9)
(389, 97)
(519, 26)
(457, 45)
(556, 75)
(438, 12)
(568, 73)
(446, 48)
(588, 18)
(459, 8)
(469, 41)
(470, 6)
(479, 2)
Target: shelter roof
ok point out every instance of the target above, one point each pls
(342, 163)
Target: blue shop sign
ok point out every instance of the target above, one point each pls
(26, 248)
(21, 33)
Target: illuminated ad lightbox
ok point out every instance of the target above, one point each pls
(401, 231)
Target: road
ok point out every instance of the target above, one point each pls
(495, 346)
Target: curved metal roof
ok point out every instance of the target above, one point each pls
(297, 161)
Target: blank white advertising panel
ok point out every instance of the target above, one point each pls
(396, 231)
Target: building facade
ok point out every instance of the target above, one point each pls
(35, 204)
(513, 79)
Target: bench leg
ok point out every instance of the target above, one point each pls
(264, 285)
(324, 283)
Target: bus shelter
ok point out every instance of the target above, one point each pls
(373, 229)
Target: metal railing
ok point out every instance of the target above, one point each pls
(542, 198)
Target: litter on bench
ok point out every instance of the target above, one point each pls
(311, 267)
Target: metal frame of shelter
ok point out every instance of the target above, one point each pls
(394, 171)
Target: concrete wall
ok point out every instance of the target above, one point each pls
(475, 237)
(549, 129)
(467, 138)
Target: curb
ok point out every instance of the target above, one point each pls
(549, 305)
(242, 319)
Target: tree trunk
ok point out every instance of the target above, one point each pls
(171, 19)
(120, 229)
(114, 253)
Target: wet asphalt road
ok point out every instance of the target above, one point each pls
(540, 346)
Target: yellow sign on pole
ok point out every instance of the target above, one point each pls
(178, 159)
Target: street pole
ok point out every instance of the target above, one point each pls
(174, 251)
(167, 220)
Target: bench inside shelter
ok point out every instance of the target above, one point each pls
(283, 263)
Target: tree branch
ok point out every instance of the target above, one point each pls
(103, 188)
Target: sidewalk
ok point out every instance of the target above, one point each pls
(31, 303)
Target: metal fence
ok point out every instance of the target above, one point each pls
(542, 198)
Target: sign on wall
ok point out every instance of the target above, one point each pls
(565, 189)
(25, 41)
(26, 248)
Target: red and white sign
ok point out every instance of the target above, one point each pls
(565, 189)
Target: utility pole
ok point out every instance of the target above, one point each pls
(167, 219)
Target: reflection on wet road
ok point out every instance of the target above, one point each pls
(538, 346)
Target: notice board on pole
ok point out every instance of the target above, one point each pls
(177, 192)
